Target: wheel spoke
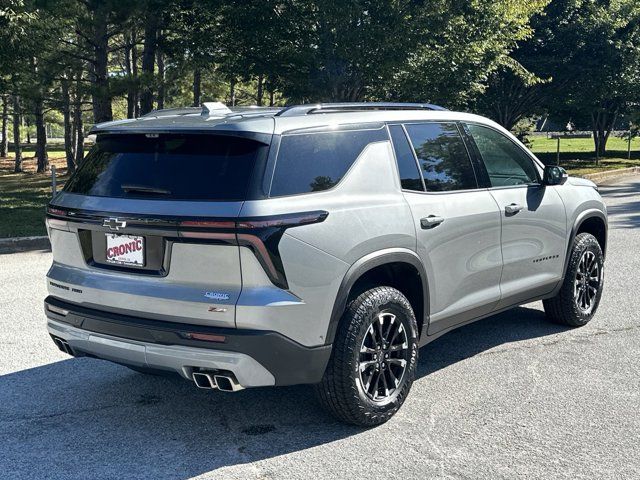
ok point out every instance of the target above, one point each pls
(394, 379)
(397, 361)
(392, 319)
(384, 383)
(366, 364)
(380, 334)
(398, 348)
(375, 385)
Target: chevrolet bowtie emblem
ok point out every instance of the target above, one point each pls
(114, 223)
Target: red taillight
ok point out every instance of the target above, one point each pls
(56, 211)
(207, 224)
(286, 221)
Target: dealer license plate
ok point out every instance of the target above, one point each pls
(125, 250)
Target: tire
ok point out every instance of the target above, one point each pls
(354, 396)
(576, 302)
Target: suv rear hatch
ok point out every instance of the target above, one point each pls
(146, 226)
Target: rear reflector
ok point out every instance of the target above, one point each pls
(206, 337)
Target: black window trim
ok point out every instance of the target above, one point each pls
(415, 156)
(395, 156)
(538, 165)
(273, 163)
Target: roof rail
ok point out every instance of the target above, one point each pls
(353, 107)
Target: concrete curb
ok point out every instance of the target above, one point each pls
(23, 244)
(611, 174)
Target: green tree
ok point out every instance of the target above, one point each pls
(604, 80)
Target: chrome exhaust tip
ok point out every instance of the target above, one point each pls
(63, 346)
(205, 381)
(227, 383)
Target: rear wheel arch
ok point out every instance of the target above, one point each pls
(394, 267)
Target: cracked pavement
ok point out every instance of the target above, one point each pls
(511, 396)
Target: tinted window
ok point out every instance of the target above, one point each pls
(506, 163)
(174, 167)
(442, 156)
(407, 166)
(317, 161)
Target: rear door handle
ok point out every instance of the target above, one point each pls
(512, 209)
(430, 222)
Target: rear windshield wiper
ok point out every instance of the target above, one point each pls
(144, 189)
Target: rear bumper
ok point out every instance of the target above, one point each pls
(255, 357)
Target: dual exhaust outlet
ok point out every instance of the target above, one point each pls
(63, 346)
(211, 381)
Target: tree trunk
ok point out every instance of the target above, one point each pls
(77, 121)
(41, 137)
(68, 134)
(603, 122)
(148, 62)
(17, 121)
(128, 53)
(4, 141)
(27, 124)
(232, 92)
(271, 94)
(161, 86)
(136, 79)
(197, 87)
(259, 93)
(102, 111)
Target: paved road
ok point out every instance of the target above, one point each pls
(509, 397)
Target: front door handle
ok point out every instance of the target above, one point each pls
(430, 222)
(512, 209)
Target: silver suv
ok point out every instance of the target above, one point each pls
(315, 244)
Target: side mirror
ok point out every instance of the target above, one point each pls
(554, 175)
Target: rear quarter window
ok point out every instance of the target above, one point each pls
(313, 162)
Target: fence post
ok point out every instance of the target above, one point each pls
(558, 152)
(629, 147)
(53, 181)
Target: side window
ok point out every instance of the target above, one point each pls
(407, 166)
(312, 162)
(505, 161)
(443, 157)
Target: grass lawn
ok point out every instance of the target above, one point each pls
(578, 157)
(23, 196)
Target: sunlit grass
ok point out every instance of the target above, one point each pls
(23, 196)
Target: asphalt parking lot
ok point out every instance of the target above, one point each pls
(509, 397)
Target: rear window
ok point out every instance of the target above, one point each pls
(172, 167)
(317, 161)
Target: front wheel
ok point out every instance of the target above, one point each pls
(578, 299)
(374, 358)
